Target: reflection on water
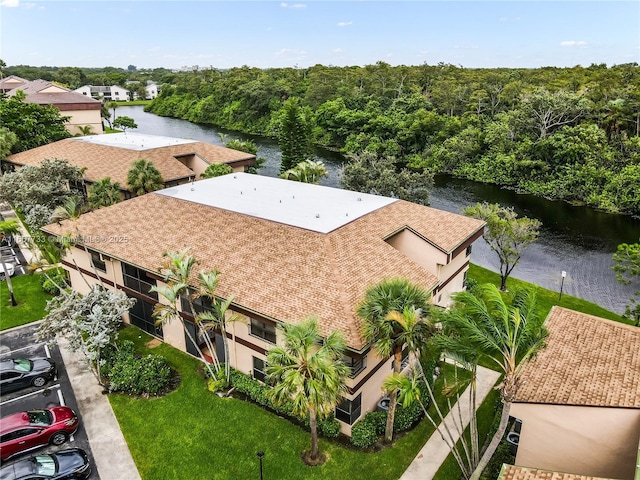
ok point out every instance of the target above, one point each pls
(578, 240)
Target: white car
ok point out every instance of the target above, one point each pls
(11, 269)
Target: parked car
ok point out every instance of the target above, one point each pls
(22, 372)
(25, 431)
(11, 269)
(62, 465)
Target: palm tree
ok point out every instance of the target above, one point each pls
(308, 171)
(309, 371)
(388, 332)
(7, 229)
(177, 271)
(217, 317)
(104, 193)
(506, 335)
(71, 210)
(144, 177)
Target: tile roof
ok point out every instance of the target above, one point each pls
(280, 271)
(512, 472)
(62, 95)
(103, 161)
(588, 361)
(11, 82)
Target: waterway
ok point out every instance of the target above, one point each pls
(575, 239)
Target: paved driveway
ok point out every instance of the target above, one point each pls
(21, 342)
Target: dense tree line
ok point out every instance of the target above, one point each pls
(562, 133)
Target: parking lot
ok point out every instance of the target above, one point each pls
(22, 342)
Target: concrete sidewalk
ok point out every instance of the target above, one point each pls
(435, 451)
(111, 454)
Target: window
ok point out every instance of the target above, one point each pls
(263, 330)
(138, 280)
(356, 365)
(200, 304)
(349, 410)
(258, 369)
(469, 250)
(141, 315)
(98, 262)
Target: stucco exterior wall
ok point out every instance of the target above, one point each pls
(418, 250)
(594, 441)
(83, 118)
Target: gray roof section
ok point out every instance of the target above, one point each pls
(311, 207)
(133, 141)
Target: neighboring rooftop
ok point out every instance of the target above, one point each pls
(112, 155)
(312, 207)
(281, 271)
(43, 92)
(511, 472)
(134, 141)
(588, 361)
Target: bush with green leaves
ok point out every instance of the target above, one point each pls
(329, 427)
(52, 282)
(146, 375)
(134, 375)
(364, 432)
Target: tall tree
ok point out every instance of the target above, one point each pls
(104, 193)
(388, 332)
(627, 268)
(89, 322)
(124, 123)
(177, 272)
(506, 234)
(144, 177)
(506, 335)
(34, 125)
(369, 173)
(8, 228)
(308, 370)
(294, 134)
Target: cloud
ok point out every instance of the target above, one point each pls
(293, 5)
(573, 43)
(10, 3)
(337, 51)
(291, 53)
(509, 19)
(344, 24)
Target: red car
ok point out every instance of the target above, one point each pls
(25, 431)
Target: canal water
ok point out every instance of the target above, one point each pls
(575, 239)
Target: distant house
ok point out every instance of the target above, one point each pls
(105, 93)
(579, 401)
(178, 160)
(286, 250)
(151, 90)
(9, 83)
(82, 111)
(511, 472)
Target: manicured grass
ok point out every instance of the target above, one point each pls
(546, 298)
(194, 434)
(31, 299)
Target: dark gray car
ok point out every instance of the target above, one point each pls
(17, 373)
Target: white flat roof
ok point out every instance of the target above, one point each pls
(133, 141)
(312, 207)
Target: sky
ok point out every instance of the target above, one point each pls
(265, 34)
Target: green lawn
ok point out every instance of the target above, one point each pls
(31, 299)
(194, 434)
(546, 298)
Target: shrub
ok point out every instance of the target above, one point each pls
(363, 432)
(134, 375)
(329, 427)
(57, 277)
